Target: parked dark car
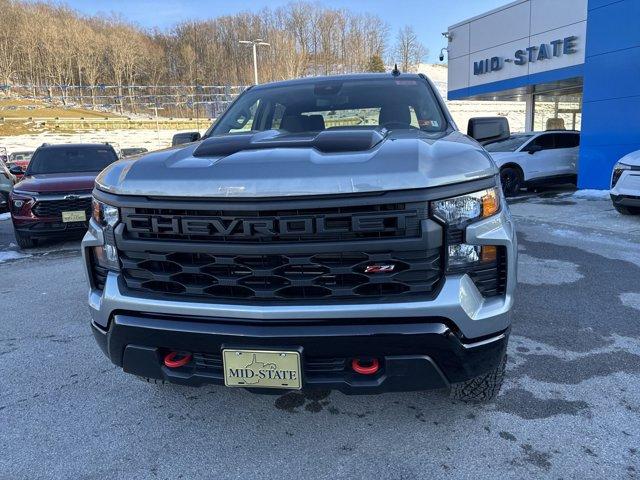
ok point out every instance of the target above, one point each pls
(130, 152)
(54, 197)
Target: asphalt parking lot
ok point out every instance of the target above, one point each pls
(570, 407)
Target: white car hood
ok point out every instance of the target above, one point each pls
(632, 159)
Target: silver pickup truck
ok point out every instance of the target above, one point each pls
(329, 232)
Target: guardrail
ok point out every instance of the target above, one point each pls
(151, 123)
(111, 123)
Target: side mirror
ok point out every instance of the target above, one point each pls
(488, 129)
(16, 170)
(533, 149)
(185, 137)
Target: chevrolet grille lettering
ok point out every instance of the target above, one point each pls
(265, 227)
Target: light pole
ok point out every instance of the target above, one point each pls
(254, 44)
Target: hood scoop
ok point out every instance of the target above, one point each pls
(327, 141)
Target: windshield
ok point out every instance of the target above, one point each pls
(392, 103)
(70, 160)
(510, 144)
(20, 156)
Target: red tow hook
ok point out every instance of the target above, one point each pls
(177, 359)
(365, 366)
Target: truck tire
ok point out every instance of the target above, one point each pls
(4, 202)
(511, 179)
(24, 241)
(483, 388)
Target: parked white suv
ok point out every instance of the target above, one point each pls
(536, 158)
(625, 184)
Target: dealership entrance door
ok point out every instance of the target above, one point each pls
(560, 109)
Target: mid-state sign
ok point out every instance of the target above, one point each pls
(535, 53)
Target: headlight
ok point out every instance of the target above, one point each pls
(104, 214)
(618, 168)
(20, 199)
(467, 208)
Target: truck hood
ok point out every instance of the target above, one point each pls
(57, 182)
(275, 165)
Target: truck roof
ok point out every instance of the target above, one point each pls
(74, 145)
(345, 77)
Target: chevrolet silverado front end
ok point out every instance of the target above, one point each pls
(303, 251)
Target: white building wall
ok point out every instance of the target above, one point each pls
(518, 25)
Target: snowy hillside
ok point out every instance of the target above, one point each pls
(461, 111)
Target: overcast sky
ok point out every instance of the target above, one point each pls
(429, 17)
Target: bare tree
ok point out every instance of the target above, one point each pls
(50, 50)
(409, 52)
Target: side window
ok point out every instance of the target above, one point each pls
(567, 140)
(414, 117)
(243, 120)
(546, 142)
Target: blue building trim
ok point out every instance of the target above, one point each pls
(611, 101)
(518, 82)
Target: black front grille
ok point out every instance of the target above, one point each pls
(278, 277)
(368, 222)
(212, 363)
(491, 278)
(54, 208)
(99, 274)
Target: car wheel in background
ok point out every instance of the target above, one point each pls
(627, 210)
(24, 241)
(511, 179)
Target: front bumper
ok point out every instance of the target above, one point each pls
(416, 354)
(49, 227)
(626, 191)
(626, 200)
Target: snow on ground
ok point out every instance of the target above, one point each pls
(583, 208)
(590, 194)
(5, 216)
(630, 299)
(7, 255)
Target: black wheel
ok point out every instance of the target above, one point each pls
(627, 210)
(483, 388)
(511, 179)
(4, 202)
(24, 241)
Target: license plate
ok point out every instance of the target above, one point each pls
(262, 369)
(74, 216)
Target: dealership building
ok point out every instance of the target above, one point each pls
(576, 64)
